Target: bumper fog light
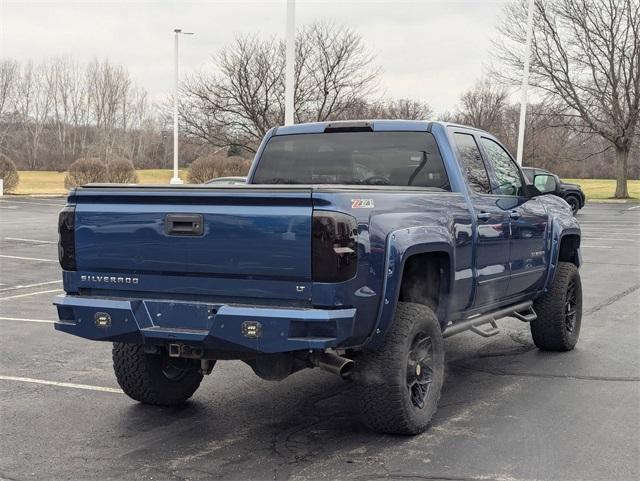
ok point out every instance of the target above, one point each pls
(251, 329)
(102, 319)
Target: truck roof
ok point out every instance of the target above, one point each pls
(376, 125)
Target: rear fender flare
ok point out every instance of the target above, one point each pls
(401, 245)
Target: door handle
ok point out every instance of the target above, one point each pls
(514, 214)
(484, 216)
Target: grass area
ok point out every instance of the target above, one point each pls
(51, 182)
(605, 188)
(40, 182)
(158, 176)
(47, 182)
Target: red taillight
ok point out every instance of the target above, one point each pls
(67, 240)
(334, 246)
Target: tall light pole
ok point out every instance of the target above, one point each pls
(176, 175)
(525, 83)
(290, 59)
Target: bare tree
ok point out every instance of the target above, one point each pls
(586, 58)
(108, 86)
(240, 104)
(33, 103)
(9, 78)
(59, 110)
(9, 74)
(335, 72)
(66, 85)
(484, 106)
(243, 101)
(389, 109)
(406, 109)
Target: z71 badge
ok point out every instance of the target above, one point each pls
(362, 203)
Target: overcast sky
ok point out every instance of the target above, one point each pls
(430, 50)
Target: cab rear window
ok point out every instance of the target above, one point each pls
(353, 158)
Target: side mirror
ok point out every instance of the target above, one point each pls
(546, 184)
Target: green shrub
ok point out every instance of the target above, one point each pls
(8, 174)
(211, 166)
(84, 171)
(121, 171)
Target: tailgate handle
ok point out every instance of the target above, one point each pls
(183, 224)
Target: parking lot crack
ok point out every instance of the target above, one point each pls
(500, 372)
(611, 300)
(6, 478)
(423, 477)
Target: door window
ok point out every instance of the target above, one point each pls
(506, 172)
(471, 163)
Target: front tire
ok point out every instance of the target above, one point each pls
(154, 378)
(399, 384)
(559, 310)
(574, 203)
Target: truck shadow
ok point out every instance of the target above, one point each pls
(239, 427)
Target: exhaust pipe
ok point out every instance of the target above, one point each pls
(332, 363)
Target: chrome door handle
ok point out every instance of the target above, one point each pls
(484, 216)
(514, 214)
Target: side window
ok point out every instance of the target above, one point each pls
(506, 172)
(471, 163)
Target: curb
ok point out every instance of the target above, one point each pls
(34, 196)
(613, 201)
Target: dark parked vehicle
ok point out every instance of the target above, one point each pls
(354, 247)
(227, 180)
(572, 193)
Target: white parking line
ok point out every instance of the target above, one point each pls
(61, 384)
(19, 319)
(25, 286)
(598, 247)
(37, 241)
(606, 223)
(28, 258)
(607, 231)
(629, 220)
(23, 222)
(633, 208)
(617, 239)
(29, 294)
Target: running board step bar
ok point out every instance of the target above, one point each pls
(522, 311)
(526, 316)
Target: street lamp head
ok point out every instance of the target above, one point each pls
(177, 30)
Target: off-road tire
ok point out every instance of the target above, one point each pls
(573, 202)
(141, 376)
(385, 400)
(550, 330)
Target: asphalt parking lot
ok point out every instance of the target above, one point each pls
(508, 411)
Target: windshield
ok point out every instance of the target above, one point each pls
(359, 158)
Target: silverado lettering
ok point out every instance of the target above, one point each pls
(109, 279)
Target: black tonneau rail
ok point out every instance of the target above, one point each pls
(260, 187)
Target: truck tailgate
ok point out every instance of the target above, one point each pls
(244, 232)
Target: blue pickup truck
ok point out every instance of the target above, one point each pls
(354, 247)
